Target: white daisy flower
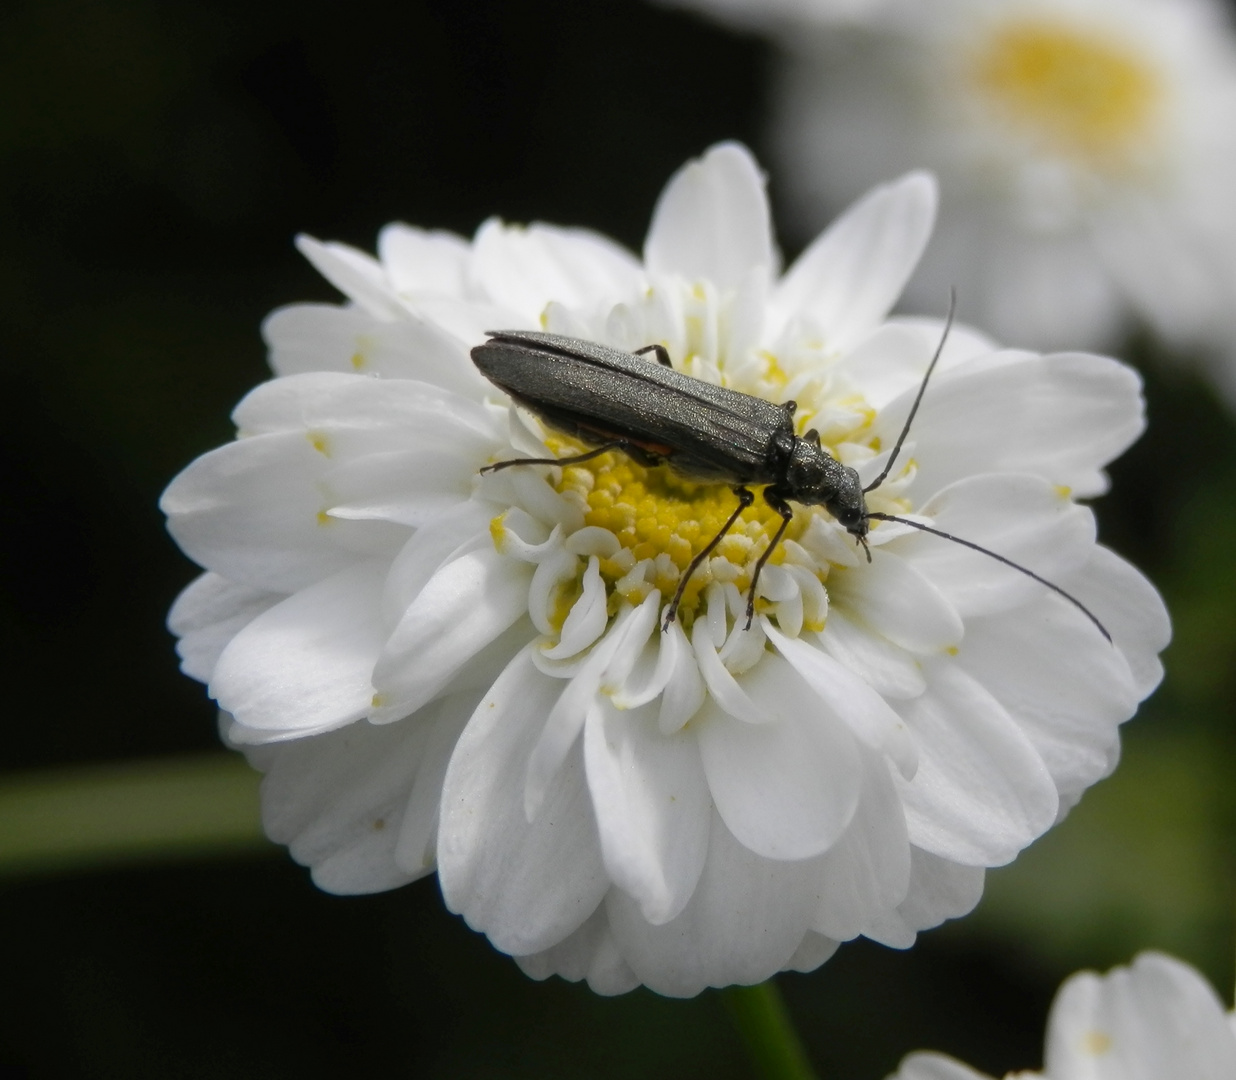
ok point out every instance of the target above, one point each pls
(1086, 151)
(1155, 1019)
(438, 668)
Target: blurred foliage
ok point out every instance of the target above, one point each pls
(155, 160)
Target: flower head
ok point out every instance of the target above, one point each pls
(442, 668)
(1086, 151)
(1154, 1019)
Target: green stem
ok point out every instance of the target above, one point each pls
(760, 1015)
(74, 818)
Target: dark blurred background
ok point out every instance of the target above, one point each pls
(155, 161)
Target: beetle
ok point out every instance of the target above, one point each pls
(615, 400)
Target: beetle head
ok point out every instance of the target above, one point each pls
(814, 478)
(850, 508)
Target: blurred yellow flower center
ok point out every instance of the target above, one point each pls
(1075, 91)
(659, 516)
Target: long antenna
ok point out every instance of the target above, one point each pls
(1001, 559)
(948, 325)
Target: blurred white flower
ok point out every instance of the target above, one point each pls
(1157, 1019)
(1086, 151)
(435, 666)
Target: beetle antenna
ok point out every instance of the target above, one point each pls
(948, 325)
(1001, 559)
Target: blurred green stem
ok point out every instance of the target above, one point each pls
(80, 817)
(774, 1047)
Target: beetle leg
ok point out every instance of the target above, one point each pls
(745, 499)
(662, 355)
(787, 515)
(576, 460)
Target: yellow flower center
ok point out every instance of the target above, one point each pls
(661, 517)
(1074, 91)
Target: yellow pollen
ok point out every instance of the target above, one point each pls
(1073, 90)
(320, 442)
(324, 518)
(497, 531)
(659, 516)
(774, 372)
(358, 361)
(564, 596)
(1096, 1043)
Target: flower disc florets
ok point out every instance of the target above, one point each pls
(442, 668)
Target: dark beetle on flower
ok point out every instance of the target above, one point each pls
(614, 400)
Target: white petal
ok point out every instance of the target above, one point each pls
(889, 670)
(811, 952)
(981, 793)
(926, 1066)
(527, 885)
(589, 953)
(890, 598)
(465, 528)
(745, 921)
(674, 675)
(726, 692)
(408, 487)
(337, 800)
(566, 719)
(1061, 417)
(464, 320)
(324, 337)
(867, 872)
(685, 692)
(889, 929)
(1156, 1019)
(652, 806)
(363, 414)
(1060, 680)
(939, 890)
(252, 512)
(305, 665)
(963, 343)
(850, 699)
(358, 276)
(587, 618)
(787, 788)
(844, 284)
(423, 260)
(523, 269)
(1130, 608)
(416, 846)
(712, 222)
(207, 615)
(886, 363)
(467, 603)
(1023, 518)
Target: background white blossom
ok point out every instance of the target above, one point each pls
(1086, 153)
(1154, 1019)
